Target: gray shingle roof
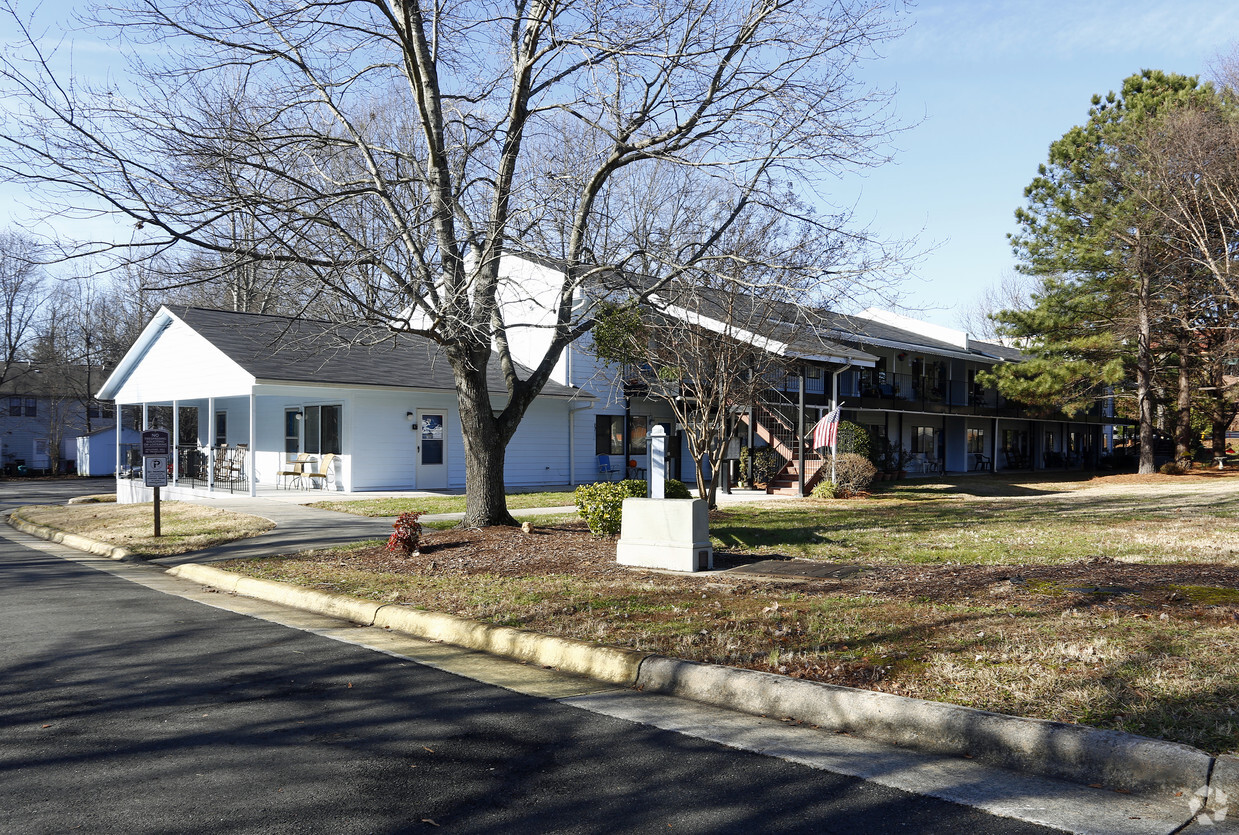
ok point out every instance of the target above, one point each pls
(294, 350)
(858, 329)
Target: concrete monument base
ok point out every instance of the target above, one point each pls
(665, 533)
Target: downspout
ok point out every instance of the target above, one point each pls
(572, 440)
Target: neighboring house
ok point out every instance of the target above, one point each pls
(247, 395)
(97, 450)
(42, 414)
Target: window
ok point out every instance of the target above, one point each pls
(925, 440)
(322, 430)
(15, 407)
(32, 407)
(221, 428)
(104, 410)
(976, 440)
(638, 428)
(609, 435)
(292, 433)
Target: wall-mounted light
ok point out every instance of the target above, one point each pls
(409, 416)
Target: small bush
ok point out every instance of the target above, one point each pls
(855, 438)
(675, 489)
(1174, 468)
(634, 487)
(764, 461)
(601, 505)
(408, 535)
(825, 490)
(853, 473)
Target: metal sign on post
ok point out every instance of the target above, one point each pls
(156, 442)
(156, 447)
(155, 471)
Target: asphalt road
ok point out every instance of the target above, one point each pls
(123, 709)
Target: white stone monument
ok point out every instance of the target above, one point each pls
(664, 533)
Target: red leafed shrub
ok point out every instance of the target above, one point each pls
(408, 534)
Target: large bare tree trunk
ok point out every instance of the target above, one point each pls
(486, 448)
(1144, 369)
(1183, 408)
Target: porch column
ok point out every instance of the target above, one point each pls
(800, 435)
(176, 441)
(120, 427)
(993, 446)
(250, 463)
(210, 444)
(145, 417)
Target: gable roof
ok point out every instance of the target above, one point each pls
(866, 330)
(285, 349)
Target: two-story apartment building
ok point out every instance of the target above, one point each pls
(42, 414)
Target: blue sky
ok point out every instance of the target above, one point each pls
(988, 85)
(993, 84)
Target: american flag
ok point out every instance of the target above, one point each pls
(826, 430)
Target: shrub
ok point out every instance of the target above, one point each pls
(855, 438)
(765, 463)
(674, 489)
(601, 505)
(1175, 467)
(634, 487)
(408, 535)
(853, 473)
(825, 490)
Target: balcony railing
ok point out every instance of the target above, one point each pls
(907, 392)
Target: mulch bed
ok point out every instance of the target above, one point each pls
(569, 548)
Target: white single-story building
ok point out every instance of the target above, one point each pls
(249, 394)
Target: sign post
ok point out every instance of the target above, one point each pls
(156, 447)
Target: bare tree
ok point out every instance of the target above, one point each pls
(395, 151)
(720, 339)
(1013, 291)
(21, 297)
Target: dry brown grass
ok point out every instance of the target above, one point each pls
(184, 527)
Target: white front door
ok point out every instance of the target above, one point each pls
(431, 449)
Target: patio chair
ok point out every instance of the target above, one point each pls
(324, 471)
(221, 470)
(294, 474)
(605, 467)
(981, 461)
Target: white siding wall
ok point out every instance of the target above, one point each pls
(529, 294)
(538, 452)
(181, 365)
(384, 443)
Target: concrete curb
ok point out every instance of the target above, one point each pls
(1076, 753)
(609, 664)
(81, 543)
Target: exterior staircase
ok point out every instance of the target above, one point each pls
(776, 425)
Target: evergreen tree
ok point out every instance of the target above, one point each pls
(1102, 255)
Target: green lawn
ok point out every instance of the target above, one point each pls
(965, 522)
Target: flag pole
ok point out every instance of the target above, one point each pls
(834, 446)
